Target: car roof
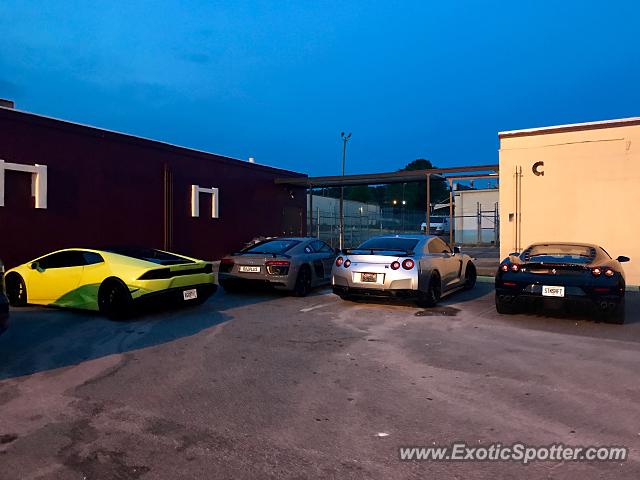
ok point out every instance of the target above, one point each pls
(411, 236)
(299, 239)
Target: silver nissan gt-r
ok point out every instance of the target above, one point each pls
(422, 267)
(296, 264)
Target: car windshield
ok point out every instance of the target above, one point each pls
(272, 246)
(560, 253)
(389, 244)
(149, 255)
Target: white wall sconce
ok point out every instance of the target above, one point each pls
(196, 190)
(38, 181)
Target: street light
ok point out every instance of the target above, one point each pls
(404, 202)
(345, 139)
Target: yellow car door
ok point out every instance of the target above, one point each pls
(54, 278)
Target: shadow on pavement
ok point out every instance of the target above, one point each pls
(40, 339)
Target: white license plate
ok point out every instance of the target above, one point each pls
(248, 269)
(549, 291)
(369, 277)
(190, 294)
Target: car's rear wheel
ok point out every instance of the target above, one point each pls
(114, 299)
(470, 276)
(303, 282)
(504, 307)
(433, 293)
(617, 315)
(16, 290)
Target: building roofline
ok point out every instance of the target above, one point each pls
(128, 137)
(572, 127)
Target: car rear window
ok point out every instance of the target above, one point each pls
(149, 255)
(559, 253)
(389, 244)
(272, 246)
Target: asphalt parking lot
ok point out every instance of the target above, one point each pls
(271, 386)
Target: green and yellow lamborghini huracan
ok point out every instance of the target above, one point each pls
(111, 280)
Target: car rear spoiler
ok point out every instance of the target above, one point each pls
(375, 251)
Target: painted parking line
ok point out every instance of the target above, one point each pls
(308, 309)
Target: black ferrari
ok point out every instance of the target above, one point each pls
(560, 275)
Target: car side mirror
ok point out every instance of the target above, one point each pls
(623, 259)
(456, 250)
(514, 254)
(35, 266)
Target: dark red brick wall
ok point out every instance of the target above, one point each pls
(106, 188)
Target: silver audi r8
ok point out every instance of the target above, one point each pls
(296, 264)
(423, 267)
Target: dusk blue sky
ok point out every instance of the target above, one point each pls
(279, 80)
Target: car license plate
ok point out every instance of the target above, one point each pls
(190, 294)
(249, 269)
(549, 291)
(369, 277)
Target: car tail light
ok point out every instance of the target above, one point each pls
(509, 284)
(601, 290)
(609, 273)
(226, 265)
(504, 267)
(339, 261)
(515, 267)
(347, 262)
(277, 267)
(395, 265)
(596, 271)
(408, 264)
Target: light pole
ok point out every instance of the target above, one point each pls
(345, 139)
(404, 202)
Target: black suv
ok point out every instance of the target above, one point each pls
(4, 303)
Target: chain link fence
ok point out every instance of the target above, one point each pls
(481, 228)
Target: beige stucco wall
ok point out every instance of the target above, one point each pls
(590, 191)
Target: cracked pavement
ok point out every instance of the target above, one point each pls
(271, 386)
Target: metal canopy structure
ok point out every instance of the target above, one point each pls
(381, 178)
(449, 174)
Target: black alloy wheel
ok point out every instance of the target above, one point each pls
(303, 282)
(114, 299)
(16, 290)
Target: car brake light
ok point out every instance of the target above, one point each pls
(408, 264)
(395, 265)
(504, 267)
(347, 262)
(515, 268)
(601, 290)
(277, 267)
(609, 273)
(596, 272)
(276, 263)
(509, 284)
(339, 261)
